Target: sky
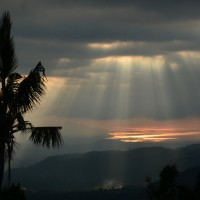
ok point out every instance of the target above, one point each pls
(125, 70)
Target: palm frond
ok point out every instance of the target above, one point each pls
(21, 124)
(9, 95)
(30, 91)
(14, 77)
(46, 136)
(7, 48)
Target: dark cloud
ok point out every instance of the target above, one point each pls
(60, 34)
(50, 30)
(104, 21)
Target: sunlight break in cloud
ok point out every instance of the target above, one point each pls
(63, 60)
(152, 135)
(113, 45)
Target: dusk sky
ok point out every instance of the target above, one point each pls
(127, 70)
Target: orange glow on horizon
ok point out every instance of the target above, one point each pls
(140, 129)
(151, 135)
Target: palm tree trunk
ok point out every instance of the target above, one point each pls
(9, 171)
(2, 150)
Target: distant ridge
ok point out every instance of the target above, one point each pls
(104, 168)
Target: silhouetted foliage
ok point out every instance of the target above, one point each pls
(13, 192)
(168, 182)
(125, 193)
(19, 95)
(168, 188)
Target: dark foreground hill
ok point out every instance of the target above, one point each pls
(108, 169)
(112, 194)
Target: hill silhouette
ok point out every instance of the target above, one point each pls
(107, 169)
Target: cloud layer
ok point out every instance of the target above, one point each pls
(118, 59)
(63, 29)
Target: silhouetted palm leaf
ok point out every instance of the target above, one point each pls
(46, 136)
(14, 77)
(30, 90)
(7, 49)
(21, 124)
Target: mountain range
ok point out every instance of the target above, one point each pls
(106, 169)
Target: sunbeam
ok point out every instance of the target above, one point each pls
(122, 88)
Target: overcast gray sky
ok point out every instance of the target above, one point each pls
(111, 60)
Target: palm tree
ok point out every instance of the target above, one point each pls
(19, 95)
